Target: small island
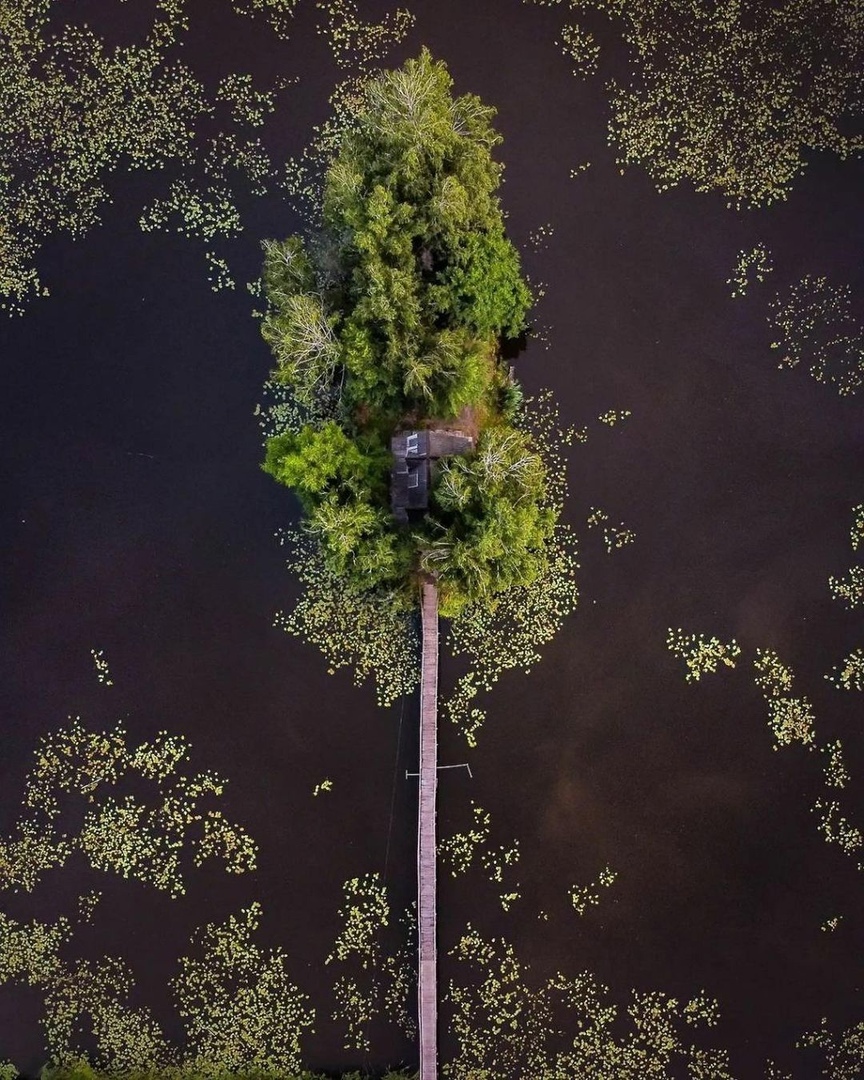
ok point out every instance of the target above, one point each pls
(403, 439)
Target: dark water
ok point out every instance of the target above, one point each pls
(135, 519)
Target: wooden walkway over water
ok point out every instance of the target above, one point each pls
(427, 982)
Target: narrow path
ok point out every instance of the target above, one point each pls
(427, 983)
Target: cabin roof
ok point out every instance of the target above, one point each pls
(410, 475)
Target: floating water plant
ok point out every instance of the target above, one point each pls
(790, 719)
(701, 654)
(584, 896)
(463, 849)
(614, 416)
(580, 47)
(814, 323)
(849, 675)
(506, 1024)
(579, 169)
(751, 266)
(721, 95)
(239, 1006)
(145, 838)
(836, 773)
(377, 982)
(539, 238)
(101, 665)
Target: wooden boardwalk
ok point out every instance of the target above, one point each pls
(427, 982)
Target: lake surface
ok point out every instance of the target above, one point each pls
(135, 520)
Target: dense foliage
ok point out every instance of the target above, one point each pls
(391, 318)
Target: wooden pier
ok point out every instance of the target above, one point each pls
(427, 982)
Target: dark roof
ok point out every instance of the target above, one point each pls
(413, 453)
(409, 484)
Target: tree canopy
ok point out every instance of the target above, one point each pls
(390, 317)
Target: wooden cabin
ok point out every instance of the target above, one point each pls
(414, 455)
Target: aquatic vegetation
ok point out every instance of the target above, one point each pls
(700, 653)
(381, 982)
(324, 786)
(843, 1053)
(239, 1009)
(73, 112)
(28, 951)
(192, 212)
(512, 634)
(370, 633)
(101, 665)
(237, 1002)
(579, 46)
(460, 850)
(830, 925)
(584, 896)
(366, 911)
(721, 94)
(354, 41)
(773, 677)
(618, 537)
(505, 1026)
(836, 773)
(87, 906)
(614, 416)
(837, 829)
(496, 861)
(144, 839)
(791, 719)
(26, 855)
(814, 322)
(220, 273)
(614, 537)
(849, 590)
(539, 238)
(76, 111)
(248, 105)
(31, 953)
(577, 172)
(856, 533)
(751, 266)
(849, 675)
(278, 13)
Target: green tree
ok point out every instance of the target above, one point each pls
(490, 523)
(325, 460)
(482, 286)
